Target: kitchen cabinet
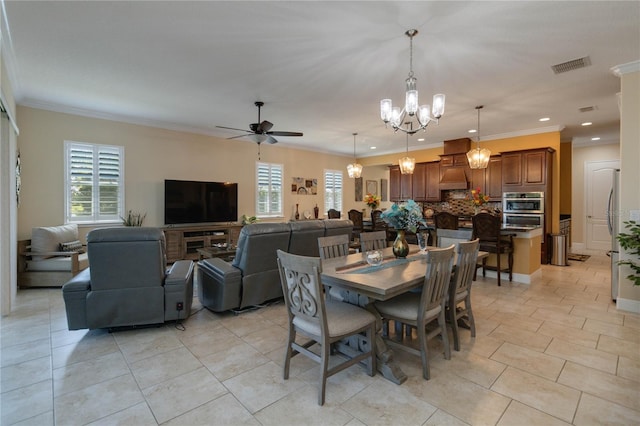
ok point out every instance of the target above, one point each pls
(432, 178)
(422, 185)
(493, 178)
(426, 181)
(400, 186)
(420, 182)
(527, 170)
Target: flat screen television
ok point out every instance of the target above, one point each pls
(188, 202)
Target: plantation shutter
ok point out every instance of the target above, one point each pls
(94, 186)
(332, 190)
(269, 190)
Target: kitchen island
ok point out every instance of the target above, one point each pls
(527, 242)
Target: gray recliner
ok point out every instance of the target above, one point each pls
(253, 277)
(127, 283)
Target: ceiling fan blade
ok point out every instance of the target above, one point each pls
(233, 128)
(264, 127)
(241, 136)
(276, 133)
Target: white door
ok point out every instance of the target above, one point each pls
(598, 183)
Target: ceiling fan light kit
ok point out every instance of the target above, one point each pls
(355, 169)
(423, 114)
(478, 158)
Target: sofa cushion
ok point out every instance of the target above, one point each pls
(48, 238)
(57, 263)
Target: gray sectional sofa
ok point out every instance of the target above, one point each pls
(253, 278)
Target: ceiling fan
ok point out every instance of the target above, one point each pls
(261, 131)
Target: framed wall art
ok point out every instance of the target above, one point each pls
(372, 187)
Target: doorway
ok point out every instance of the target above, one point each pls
(598, 183)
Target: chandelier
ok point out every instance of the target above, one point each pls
(478, 158)
(354, 170)
(407, 164)
(423, 114)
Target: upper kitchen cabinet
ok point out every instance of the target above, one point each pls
(400, 186)
(432, 178)
(493, 178)
(528, 170)
(426, 181)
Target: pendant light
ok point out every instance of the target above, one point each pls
(407, 164)
(478, 158)
(354, 170)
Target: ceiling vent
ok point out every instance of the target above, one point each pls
(588, 108)
(571, 65)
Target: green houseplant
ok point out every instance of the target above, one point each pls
(631, 243)
(133, 218)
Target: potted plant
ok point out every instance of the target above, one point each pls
(631, 243)
(133, 218)
(403, 217)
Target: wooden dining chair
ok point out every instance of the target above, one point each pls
(487, 228)
(333, 214)
(333, 246)
(460, 288)
(377, 224)
(445, 220)
(321, 321)
(420, 309)
(373, 241)
(358, 223)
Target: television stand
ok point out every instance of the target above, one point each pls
(183, 242)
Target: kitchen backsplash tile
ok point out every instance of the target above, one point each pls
(459, 202)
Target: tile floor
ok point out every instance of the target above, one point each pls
(554, 352)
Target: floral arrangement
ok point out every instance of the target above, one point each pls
(478, 198)
(405, 216)
(372, 200)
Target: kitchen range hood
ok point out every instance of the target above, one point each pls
(453, 178)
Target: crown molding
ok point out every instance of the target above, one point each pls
(83, 112)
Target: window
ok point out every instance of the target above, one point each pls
(269, 190)
(332, 190)
(94, 182)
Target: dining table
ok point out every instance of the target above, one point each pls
(362, 284)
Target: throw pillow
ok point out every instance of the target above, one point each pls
(71, 246)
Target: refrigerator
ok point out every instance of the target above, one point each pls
(613, 210)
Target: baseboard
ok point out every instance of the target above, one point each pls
(628, 305)
(575, 247)
(518, 278)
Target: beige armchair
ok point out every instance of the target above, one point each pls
(51, 257)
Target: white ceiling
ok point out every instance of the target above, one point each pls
(322, 67)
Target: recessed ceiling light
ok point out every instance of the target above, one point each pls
(420, 139)
(597, 138)
(472, 131)
(544, 119)
(372, 147)
(587, 123)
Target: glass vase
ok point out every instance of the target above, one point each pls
(400, 245)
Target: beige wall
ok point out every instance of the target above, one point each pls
(629, 174)
(580, 156)
(152, 155)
